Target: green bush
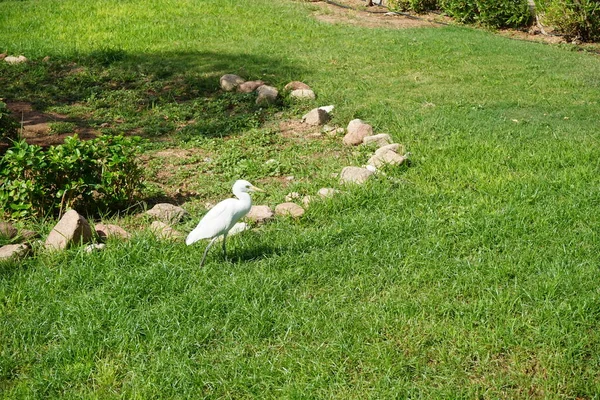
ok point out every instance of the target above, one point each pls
(418, 6)
(8, 126)
(576, 19)
(491, 13)
(93, 175)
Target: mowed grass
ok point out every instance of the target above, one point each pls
(473, 273)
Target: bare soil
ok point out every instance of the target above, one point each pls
(35, 125)
(356, 12)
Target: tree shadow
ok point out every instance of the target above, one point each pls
(152, 95)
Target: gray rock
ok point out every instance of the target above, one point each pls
(356, 175)
(167, 213)
(164, 231)
(249, 86)
(230, 82)
(290, 209)
(29, 235)
(306, 200)
(327, 192)
(357, 131)
(13, 252)
(94, 247)
(72, 229)
(316, 116)
(15, 60)
(260, 213)
(302, 94)
(394, 147)
(104, 231)
(266, 95)
(7, 230)
(292, 196)
(382, 139)
(296, 85)
(387, 158)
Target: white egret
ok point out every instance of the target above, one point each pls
(222, 217)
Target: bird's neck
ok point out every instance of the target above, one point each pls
(243, 197)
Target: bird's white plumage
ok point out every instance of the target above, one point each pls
(222, 217)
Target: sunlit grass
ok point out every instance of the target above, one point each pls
(473, 273)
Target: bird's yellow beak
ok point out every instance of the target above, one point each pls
(255, 189)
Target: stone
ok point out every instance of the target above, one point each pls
(260, 213)
(327, 109)
(306, 200)
(7, 230)
(249, 86)
(316, 116)
(72, 229)
(292, 196)
(13, 252)
(357, 131)
(15, 60)
(229, 82)
(266, 95)
(382, 139)
(167, 213)
(290, 209)
(302, 94)
(29, 235)
(164, 231)
(238, 227)
(289, 178)
(46, 59)
(296, 85)
(104, 231)
(394, 147)
(387, 158)
(356, 175)
(327, 192)
(94, 247)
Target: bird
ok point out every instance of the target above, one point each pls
(222, 217)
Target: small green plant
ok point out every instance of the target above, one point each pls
(8, 126)
(90, 175)
(61, 127)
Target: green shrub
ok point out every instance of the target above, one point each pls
(8, 126)
(576, 19)
(418, 6)
(491, 13)
(93, 175)
(464, 11)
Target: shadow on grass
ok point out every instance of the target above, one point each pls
(113, 92)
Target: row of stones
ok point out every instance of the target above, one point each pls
(266, 94)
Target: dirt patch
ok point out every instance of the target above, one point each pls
(35, 125)
(354, 12)
(298, 129)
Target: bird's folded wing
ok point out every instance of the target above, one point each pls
(216, 221)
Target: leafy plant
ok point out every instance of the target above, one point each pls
(88, 175)
(574, 18)
(491, 13)
(413, 5)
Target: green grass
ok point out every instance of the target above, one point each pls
(472, 274)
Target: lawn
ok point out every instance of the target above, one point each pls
(473, 273)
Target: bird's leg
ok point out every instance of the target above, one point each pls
(224, 247)
(206, 251)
